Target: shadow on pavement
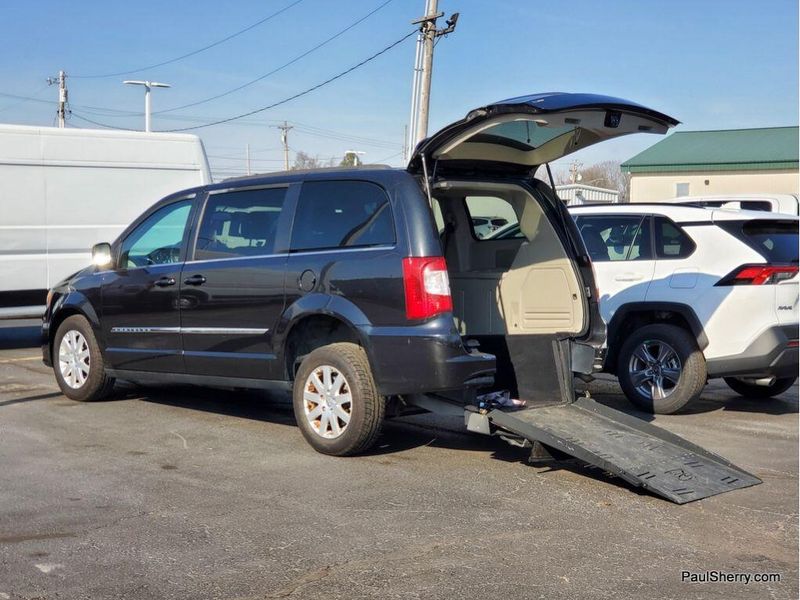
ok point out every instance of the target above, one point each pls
(781, 405)
(29, 398)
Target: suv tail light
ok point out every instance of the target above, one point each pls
(759, 275)
(427, 287)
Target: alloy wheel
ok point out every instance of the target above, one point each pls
(74, 360)
(328, 402)
(654, 369)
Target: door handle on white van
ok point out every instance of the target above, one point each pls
(629, 277)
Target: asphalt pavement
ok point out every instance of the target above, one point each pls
(197, 493)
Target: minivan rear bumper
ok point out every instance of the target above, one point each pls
(415, 360)
(774, 352)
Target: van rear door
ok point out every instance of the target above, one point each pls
(520, 134)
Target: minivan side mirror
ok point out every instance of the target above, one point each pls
(101, 254)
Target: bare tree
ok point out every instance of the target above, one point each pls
(606, 174)
(350, 160)
(609, 175)
(303, 160)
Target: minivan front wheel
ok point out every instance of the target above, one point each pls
(661, 369)
(78, 363)
(336, 402)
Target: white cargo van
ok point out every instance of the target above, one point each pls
(63, 190)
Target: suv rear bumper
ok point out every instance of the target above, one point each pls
(415, 360)
(774, 352)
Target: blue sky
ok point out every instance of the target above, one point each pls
(710, 63)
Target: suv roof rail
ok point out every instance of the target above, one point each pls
(659, 204)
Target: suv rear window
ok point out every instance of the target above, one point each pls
(776, 240)
(338, 214)
(610, 238)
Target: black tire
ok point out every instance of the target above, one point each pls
(366, 406)
(750, 390)
(686, 356)
(97, 385)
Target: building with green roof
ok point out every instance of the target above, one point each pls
(726, 161)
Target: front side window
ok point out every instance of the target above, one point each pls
(342, 214)
(671, 240)
(615, 238)
(158, 239)
(492, 218)
(240, 224)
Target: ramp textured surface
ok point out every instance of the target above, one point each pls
(640, 453)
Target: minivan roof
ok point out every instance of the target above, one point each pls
(290, 172)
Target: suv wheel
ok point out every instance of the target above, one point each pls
(750, 390)
(77, 361)
(661, 369)
(336, 402)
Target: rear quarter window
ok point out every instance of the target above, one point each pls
(776, 240)
(670, 240)
(342, 214)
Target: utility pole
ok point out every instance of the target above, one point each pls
(63, 97)
(423, 67)
(285, 141)
(247, 153)
(574, 174)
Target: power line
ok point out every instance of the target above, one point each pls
(303, 128)
(198, 51)
(103, 125)
(283, 66)
(24, 99)
(299, 94)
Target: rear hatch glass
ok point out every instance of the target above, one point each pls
(774, 240)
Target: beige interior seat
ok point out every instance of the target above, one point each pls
(540, 293)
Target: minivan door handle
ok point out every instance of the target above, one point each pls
(195, 280)
(165, 281)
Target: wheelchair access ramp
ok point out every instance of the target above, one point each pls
(640, 453)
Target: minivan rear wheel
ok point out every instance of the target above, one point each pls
(78, 363)
(661, 369)
(336, 402)
(751, 390)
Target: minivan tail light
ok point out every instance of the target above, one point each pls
(427, 287)
(759, 275)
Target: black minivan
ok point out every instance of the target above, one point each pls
(356, 288)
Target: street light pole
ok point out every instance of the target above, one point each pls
(148, 85)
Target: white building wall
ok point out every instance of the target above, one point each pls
(653, 187)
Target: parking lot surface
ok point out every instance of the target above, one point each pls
(196, 493)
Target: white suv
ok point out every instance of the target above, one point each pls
(694, 293)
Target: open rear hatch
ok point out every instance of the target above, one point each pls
(520, 134)
(509, 141)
